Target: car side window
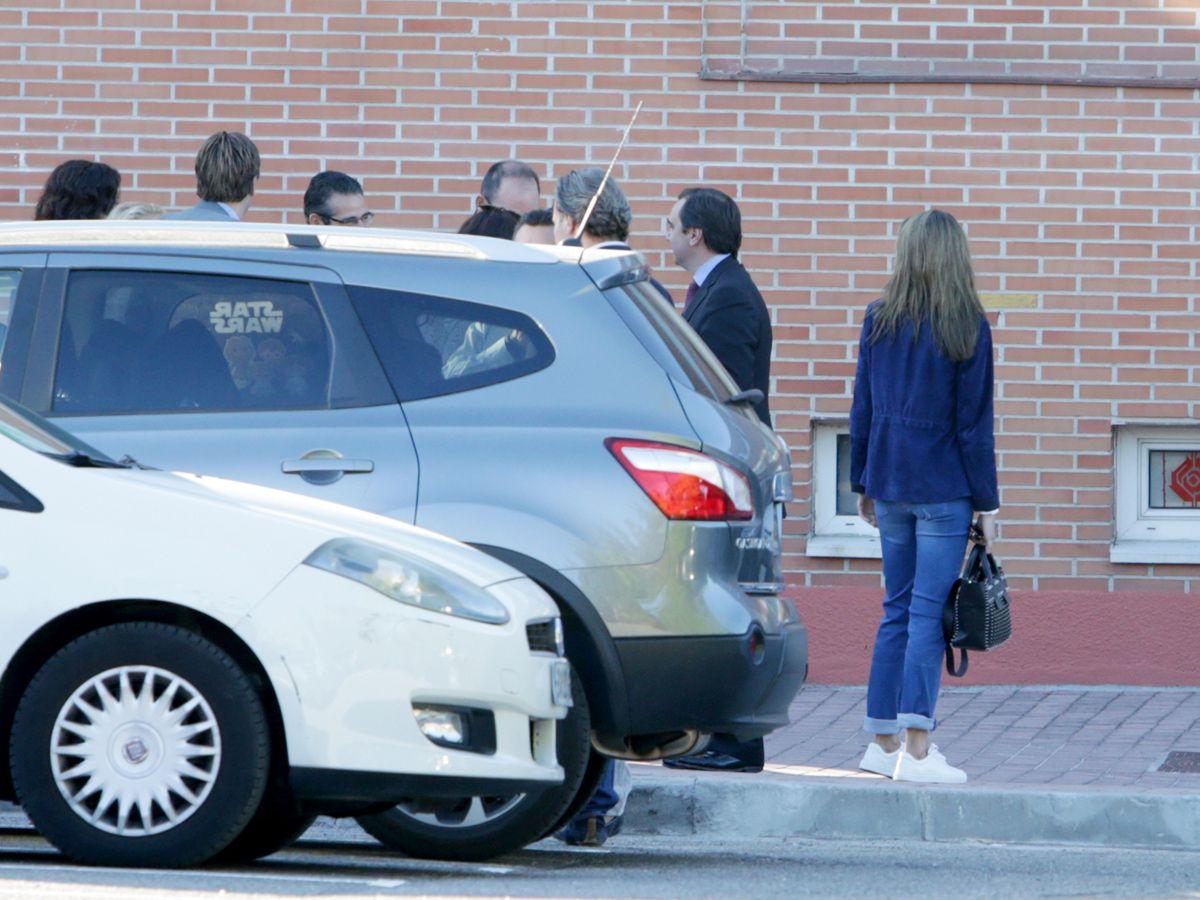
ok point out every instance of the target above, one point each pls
(430, 346)
(135, 341)
(9, 279)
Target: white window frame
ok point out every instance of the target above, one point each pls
(834, 535)
(1142, 534)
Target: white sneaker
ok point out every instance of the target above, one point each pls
(879, 761)
(933, 769)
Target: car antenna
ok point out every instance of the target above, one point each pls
(603, 181)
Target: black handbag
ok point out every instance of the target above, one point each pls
(978, 612)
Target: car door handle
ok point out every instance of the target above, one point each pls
(327, 464)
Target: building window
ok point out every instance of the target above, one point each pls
(1157, 480)
(837, 529)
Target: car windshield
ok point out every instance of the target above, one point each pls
(30, 430)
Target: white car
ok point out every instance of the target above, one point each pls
(195, 667)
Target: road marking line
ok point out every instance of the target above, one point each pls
(250, 876)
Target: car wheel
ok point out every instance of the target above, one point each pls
(140, 744)
(479, 828)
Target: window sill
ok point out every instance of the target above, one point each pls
(846, 546)
(1177, 552)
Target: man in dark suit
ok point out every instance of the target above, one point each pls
(226, 168)
(723, 305)
(727, 311)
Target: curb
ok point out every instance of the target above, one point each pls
(724, 806)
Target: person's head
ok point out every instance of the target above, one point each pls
(703, 223)
(490, 221)
(535, 227)
(134, 210)
(79, 189)
(335, 198)
(932, 282)
(512, 185)
(611, 217)
(226, 168)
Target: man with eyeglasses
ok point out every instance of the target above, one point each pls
(334, 198)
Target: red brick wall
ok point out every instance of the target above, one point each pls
(1081, 202)
(1024, 38)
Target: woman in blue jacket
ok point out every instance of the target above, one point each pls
(923, 463)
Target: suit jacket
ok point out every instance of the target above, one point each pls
(205, 211)
(921, 423)
(731, 317)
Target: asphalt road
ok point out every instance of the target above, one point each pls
(336, 865)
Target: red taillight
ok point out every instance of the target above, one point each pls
(683, 483)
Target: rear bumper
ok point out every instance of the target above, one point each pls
(712, 684)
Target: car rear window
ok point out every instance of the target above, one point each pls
(671, 340)
(431, 346)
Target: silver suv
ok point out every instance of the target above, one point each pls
(543, 404)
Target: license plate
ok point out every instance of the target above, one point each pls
(560, 683)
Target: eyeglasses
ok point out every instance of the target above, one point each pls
(365, 219)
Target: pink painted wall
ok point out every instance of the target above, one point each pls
(1059, 637)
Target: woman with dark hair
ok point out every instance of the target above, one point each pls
(491, 221)
(923, 463)
(79, 189)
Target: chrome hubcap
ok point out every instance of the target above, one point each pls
(135, 750)
(461, 812)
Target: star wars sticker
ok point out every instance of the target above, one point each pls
(246, 317)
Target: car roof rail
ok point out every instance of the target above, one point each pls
(253, 235)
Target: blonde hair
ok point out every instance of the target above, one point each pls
(131, 209)
(226, 168)
(932, 283)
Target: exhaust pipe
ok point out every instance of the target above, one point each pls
(649, 747)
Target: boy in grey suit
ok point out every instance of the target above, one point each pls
(226, 168)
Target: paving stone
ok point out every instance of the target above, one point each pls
(1002, 735)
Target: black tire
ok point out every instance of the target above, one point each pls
(278, 823)
(522, 823)
(227, 718)
(587, 787)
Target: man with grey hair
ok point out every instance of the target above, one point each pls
(510, 185)
(226, 168)
(608, 226)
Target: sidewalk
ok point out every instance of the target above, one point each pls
(1051, 763)
(1052, 736)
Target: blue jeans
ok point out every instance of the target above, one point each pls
(923, 546)
(611, 793)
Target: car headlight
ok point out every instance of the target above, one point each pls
(413, 581)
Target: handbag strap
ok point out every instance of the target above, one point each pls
(982, 562)
(962, 666)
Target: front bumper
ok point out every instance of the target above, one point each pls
(347, 664)
(712, 684)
